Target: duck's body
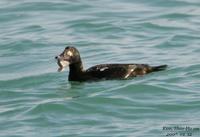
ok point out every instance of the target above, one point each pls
(72, 57)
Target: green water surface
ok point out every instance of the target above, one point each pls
(37, 101)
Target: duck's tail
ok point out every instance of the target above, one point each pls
(158, 68)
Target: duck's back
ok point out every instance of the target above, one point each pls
(117, 71)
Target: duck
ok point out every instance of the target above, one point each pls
(71, 57)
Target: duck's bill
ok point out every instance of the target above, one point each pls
(62, 65)
(60, 69)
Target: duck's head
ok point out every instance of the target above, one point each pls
(69, 56)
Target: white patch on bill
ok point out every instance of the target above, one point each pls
(60, 69)
(63, 64)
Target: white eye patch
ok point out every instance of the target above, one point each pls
(70, 53)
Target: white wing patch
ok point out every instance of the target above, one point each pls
(104, 68)
(132, 68)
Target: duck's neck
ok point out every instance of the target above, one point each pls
(76, 71)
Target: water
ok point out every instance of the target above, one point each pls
(36, 100)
